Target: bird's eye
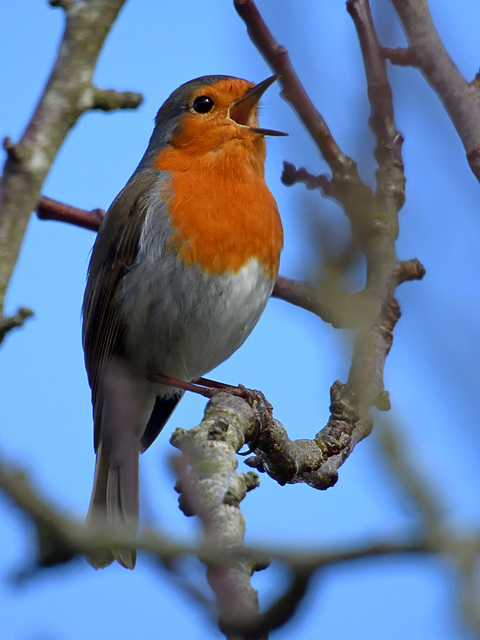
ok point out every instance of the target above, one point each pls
(202, 104)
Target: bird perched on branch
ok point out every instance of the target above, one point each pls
(183, 265)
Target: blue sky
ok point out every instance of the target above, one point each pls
(431, 373)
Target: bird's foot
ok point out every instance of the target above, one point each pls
(209, 388)
(255, 398)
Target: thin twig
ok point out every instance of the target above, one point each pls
(390, 193)
(8, 323)
(49, 209)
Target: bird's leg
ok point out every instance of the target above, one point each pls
(213, 384)
(159, 378)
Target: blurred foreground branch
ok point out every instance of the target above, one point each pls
(211, 487)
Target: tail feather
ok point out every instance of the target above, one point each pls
(114, 504)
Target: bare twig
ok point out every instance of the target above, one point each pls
(8, 323)
(48, 209)
(63, 4)
(402, 56)
(255, 627)
(110, 99)
(291, 175)
(339, 309)
(390, 193)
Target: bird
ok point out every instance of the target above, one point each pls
(182, 267)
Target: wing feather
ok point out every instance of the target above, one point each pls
(115, 250)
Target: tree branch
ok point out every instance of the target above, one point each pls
(374, 220)
(427, 52)
(213, 490)
(68, 94)
(80, 539)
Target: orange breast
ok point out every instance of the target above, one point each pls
(222, 210)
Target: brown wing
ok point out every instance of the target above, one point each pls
(115, 249)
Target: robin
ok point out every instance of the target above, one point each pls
(183, 265)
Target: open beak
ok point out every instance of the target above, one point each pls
(242, 110)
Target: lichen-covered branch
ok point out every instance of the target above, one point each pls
(80, 539)
(68, 94)
(211, 488)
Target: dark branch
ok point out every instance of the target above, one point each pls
(63, 4)
(291, 175)
(48, 209)
(276, 615)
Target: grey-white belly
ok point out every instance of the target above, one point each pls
(182, 322)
